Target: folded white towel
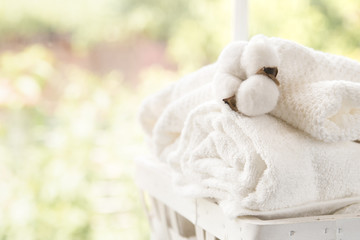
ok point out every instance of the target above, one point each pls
(163, 114)
(261, 166)
(319, 92)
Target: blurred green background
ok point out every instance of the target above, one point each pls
(72, 77)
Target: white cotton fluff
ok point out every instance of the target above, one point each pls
(257, 95)
(229, 60)
(229, 72)
(259, 53)
(225, 85)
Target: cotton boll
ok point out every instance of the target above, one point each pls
(230, 57)
(257, 54)
(225, 85)
(257, 95)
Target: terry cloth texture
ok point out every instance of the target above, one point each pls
(319, 92)
(298, 161)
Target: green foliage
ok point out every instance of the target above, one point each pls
(188, 28)
(84, 21)
(194, 32)
(67, 140)
(197, 31)
(327, 25)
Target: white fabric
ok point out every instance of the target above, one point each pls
(262, 166)
(319, 92)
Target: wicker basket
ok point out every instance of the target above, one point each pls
(174, 217)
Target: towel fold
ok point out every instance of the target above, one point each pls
(298, 161)
(319, 92)
(262, 166)
(163, 114)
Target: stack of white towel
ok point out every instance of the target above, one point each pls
(298, 160)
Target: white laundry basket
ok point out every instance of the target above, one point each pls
(174, 217)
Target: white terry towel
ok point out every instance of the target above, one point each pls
(163, 114)
(261, 166)
(319, 92)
